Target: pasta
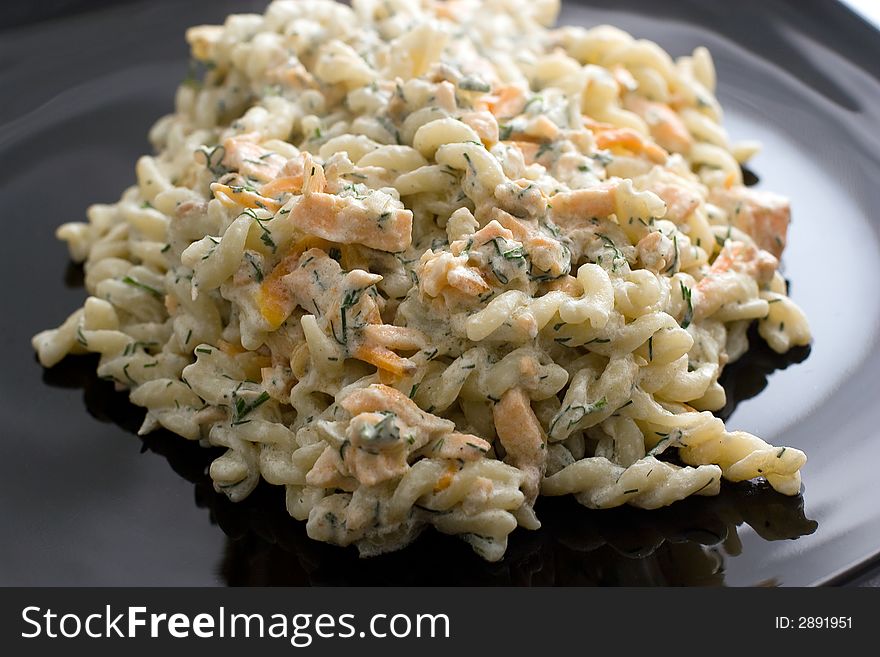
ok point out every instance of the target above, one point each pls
(421, 262)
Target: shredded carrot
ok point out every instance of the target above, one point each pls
(292, 184)
(352, 258)
(529, 150)
(630, 140)
(271, 300)
(445, 10)
(596, 126)
(387, 378)
(384, 359)
(231, 348)
(232, 197)
(273, 296)
(506, 102)
(445, 481)
(568, 284)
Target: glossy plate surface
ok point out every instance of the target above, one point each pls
(85, 501)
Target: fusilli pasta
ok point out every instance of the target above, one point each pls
(420, 262)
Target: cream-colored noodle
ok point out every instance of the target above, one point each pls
(367, 226)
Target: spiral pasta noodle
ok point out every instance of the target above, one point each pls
(421, 262)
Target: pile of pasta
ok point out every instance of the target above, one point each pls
(421, 262)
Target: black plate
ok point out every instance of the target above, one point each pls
(84, 501)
